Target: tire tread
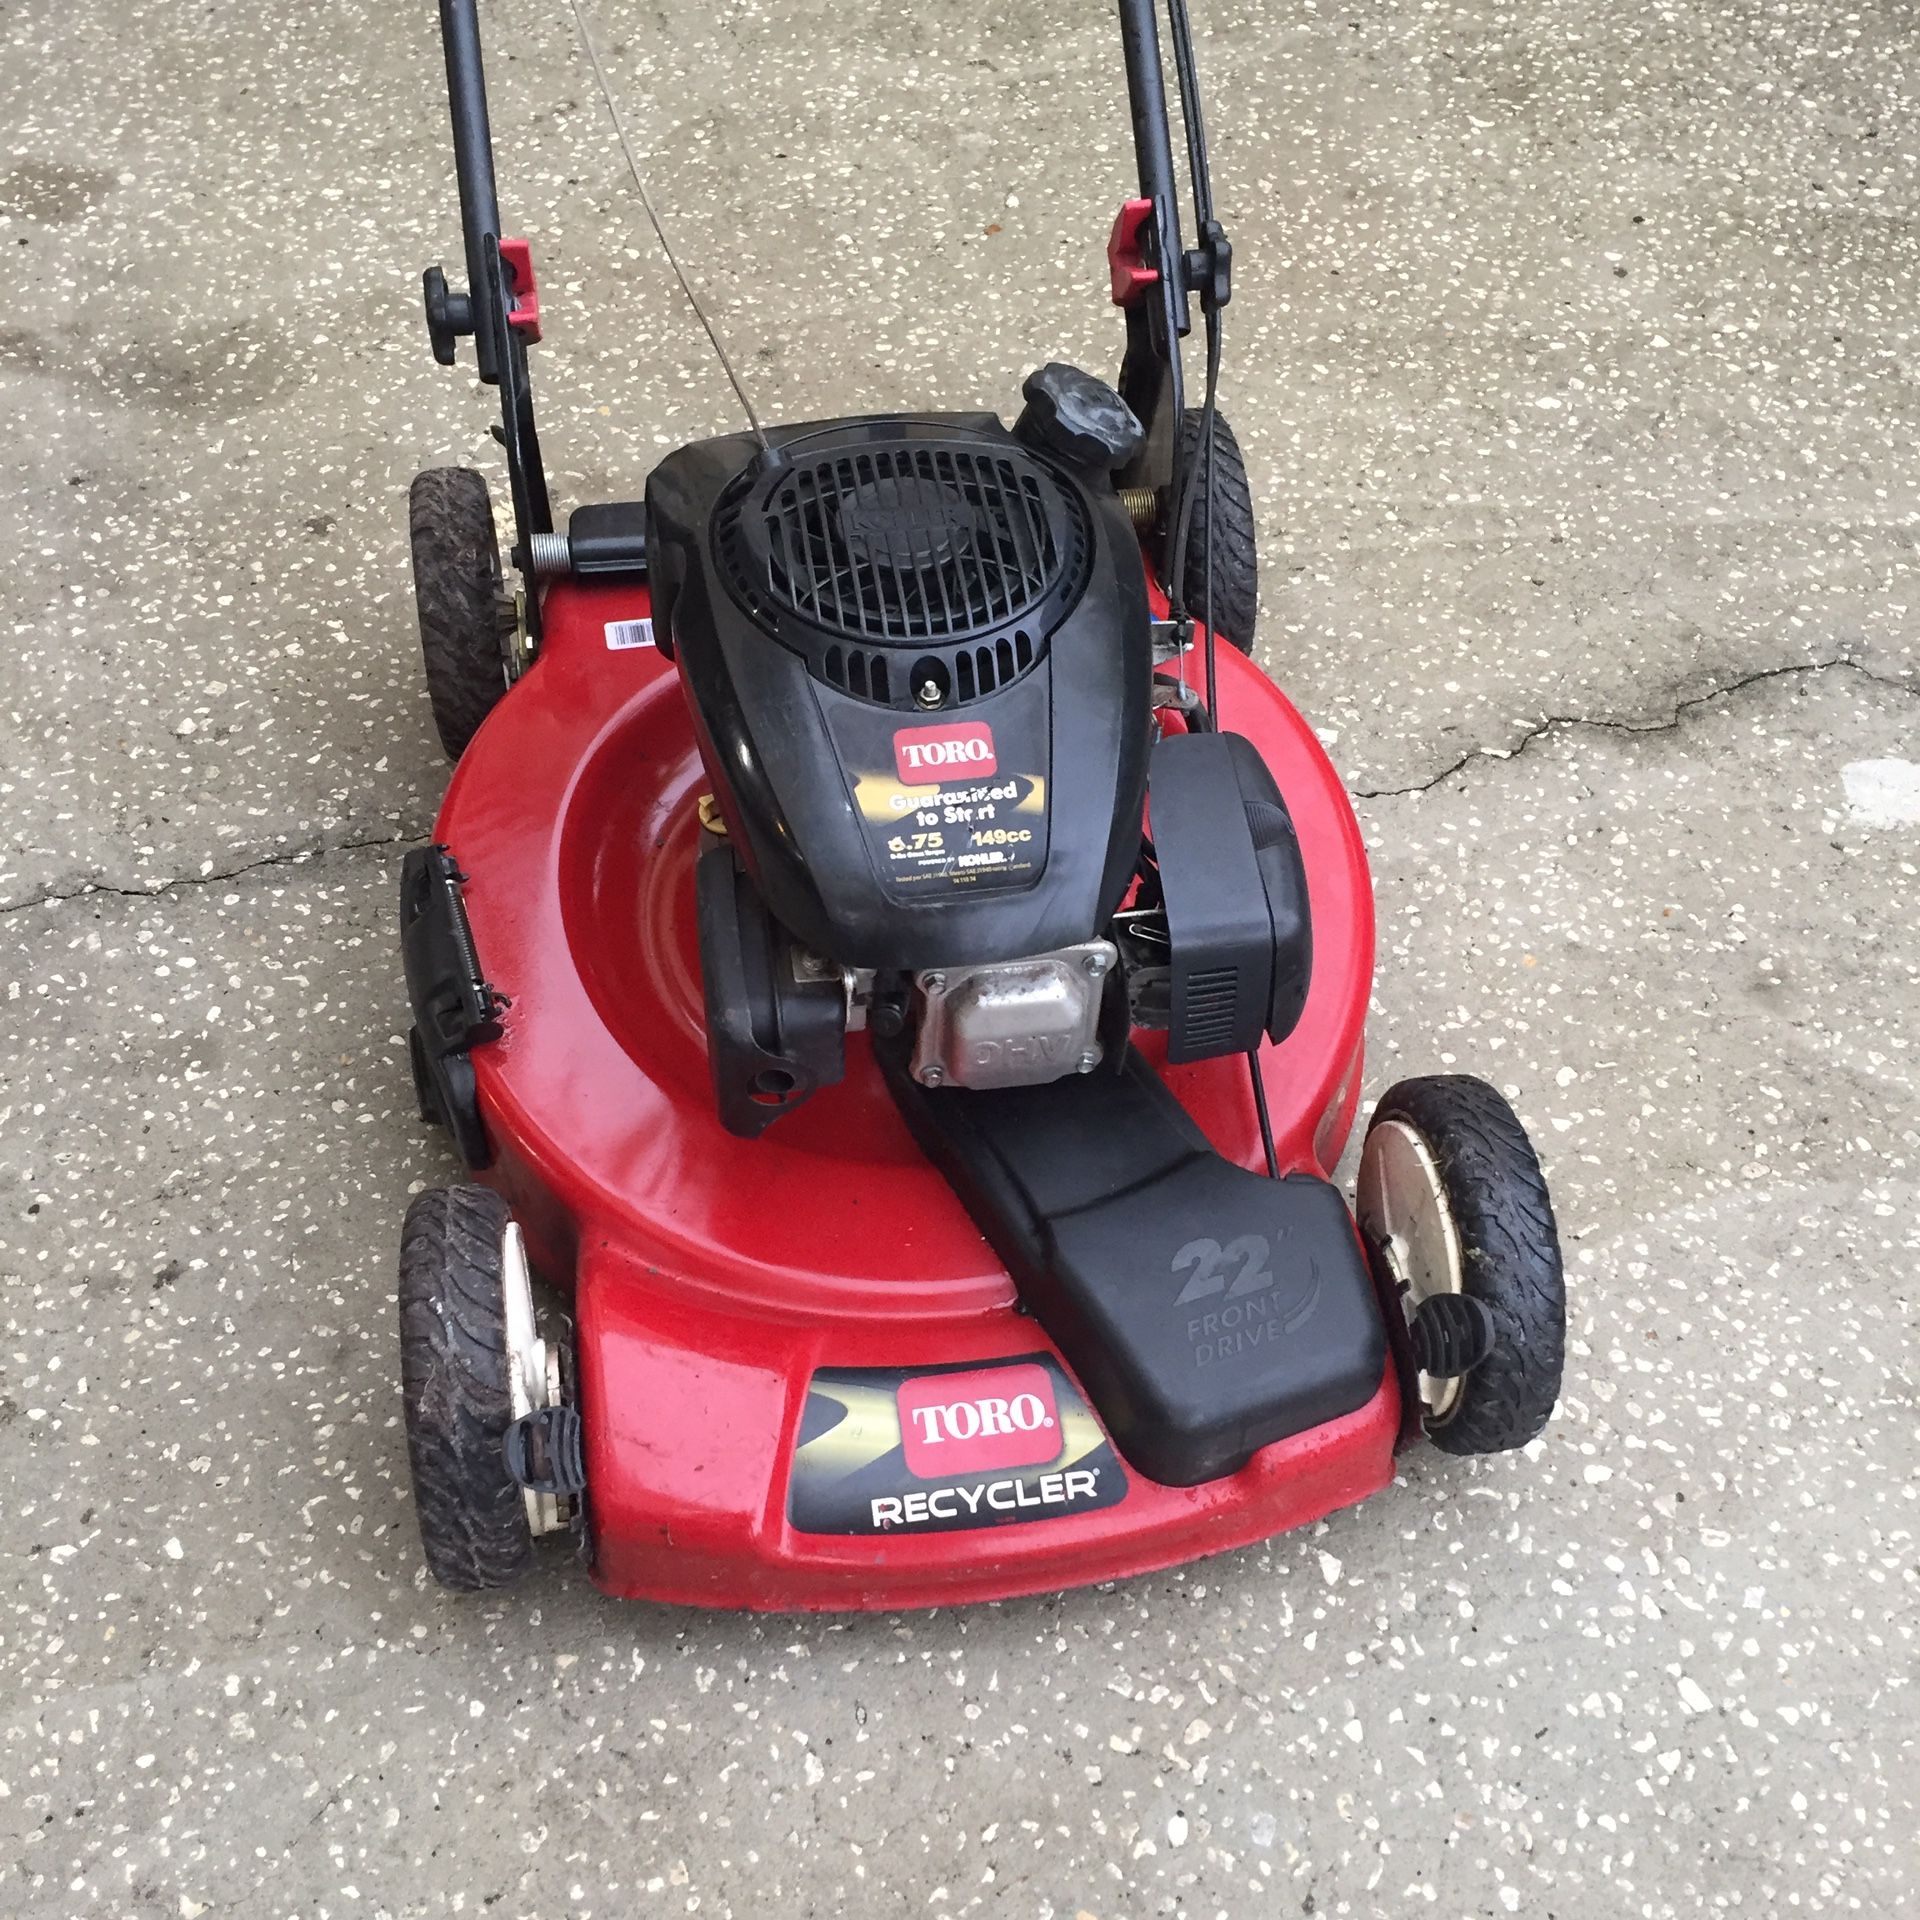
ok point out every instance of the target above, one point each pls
(1511, 1246)
(1229, 511)
(457, 593)
(454, 1376)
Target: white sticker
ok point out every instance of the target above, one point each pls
(622, 634)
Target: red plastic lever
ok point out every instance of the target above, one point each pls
(517, 256)
(1131, 274)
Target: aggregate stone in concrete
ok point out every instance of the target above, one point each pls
(1569, 350)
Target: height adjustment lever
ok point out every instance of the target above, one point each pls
(1452, 1333)
(1130, 270)
(523, 296)
(544, 1452)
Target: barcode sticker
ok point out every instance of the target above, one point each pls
(622, 634)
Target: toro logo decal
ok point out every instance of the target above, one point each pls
(925, 756)
(955, 1423)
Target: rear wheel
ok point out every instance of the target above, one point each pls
(1226, 511)
(455, 1371)
(458, 588)
(1451, 1199)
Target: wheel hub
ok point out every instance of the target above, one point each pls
(1401, 1205)
(533, 1368)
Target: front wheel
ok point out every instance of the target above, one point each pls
(1451, 1200)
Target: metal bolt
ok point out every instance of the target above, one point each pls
(933, 982)
(1095, 964)
(932, 1074)
(927, 693)
(1088, 1061)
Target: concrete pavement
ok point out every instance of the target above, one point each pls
(1571, 352)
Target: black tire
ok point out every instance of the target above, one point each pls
(453, 1369)
(1229, 511)
(459, 592)
(1511, 1251)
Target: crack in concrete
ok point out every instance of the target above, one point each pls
(1601, 723)
(1553, 723)
(55, 894)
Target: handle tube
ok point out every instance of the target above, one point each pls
(1150, 376)
(1153, 146)
(473, 167)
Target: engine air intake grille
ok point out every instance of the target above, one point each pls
(905, 541)
(905, 535)
(912, 543)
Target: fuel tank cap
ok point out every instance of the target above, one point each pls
(1079, 417)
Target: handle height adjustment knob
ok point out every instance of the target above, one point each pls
(449, 314)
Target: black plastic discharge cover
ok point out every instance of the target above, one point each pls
(1208, 1311)
(773, 1038)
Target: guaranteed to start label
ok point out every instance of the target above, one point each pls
(945, 806)
(891, 1450)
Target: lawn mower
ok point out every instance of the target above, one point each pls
(895, 967)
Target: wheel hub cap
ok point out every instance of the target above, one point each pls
(533, 1367)
(1401, 1205)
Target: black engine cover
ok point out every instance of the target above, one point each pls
(918, 654)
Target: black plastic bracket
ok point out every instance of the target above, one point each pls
(608, 541)
(454, 1007)
(774, 1038)
(544, 1452)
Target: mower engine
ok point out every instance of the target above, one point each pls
(920, 657)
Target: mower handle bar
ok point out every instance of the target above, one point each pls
(473, 168)
(1151, 376)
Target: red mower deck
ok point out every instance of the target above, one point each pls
(715, 1279)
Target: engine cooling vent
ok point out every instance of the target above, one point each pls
(973, 671)
(860, 546)
(1213, 996)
